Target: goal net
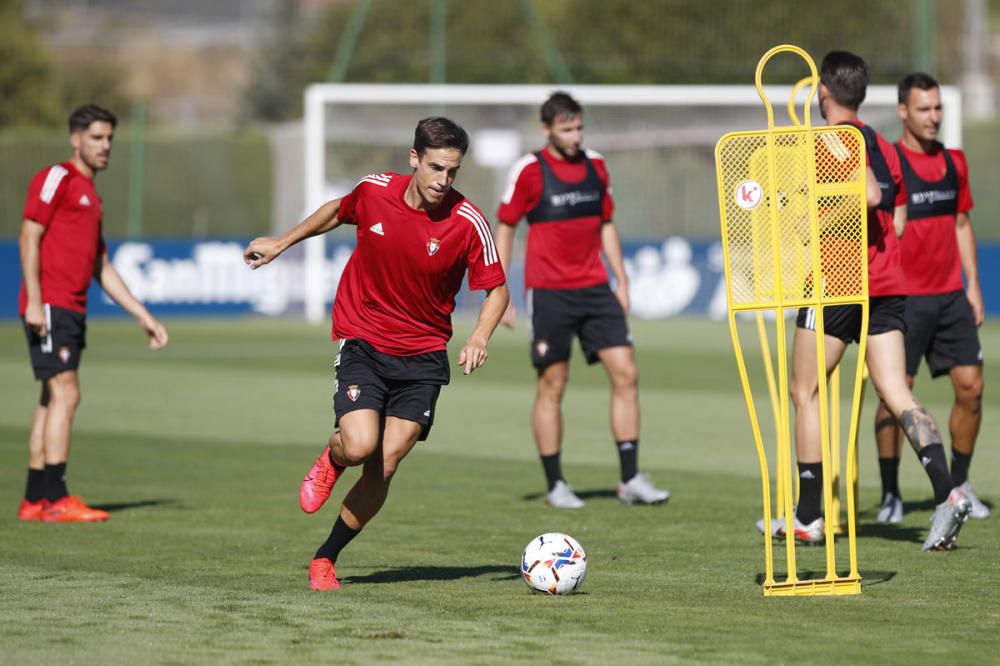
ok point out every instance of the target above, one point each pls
(658, 142)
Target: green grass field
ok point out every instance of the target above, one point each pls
(198, 452)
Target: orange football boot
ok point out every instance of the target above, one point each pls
(71, 509)
(322, 576)
(318, 483)
(30, 510)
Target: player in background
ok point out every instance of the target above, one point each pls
(416, 237)
(62, 248)
(564, 192)
(843, 84)
(942, 314)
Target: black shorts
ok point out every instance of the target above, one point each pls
(942, 329)
(557, 315)
(61, 348)
(406, 387)
(885, 313)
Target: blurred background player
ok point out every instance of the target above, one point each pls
(565, 194)
(416, 237)
(843, 84)
(62, 248)
(942, 314)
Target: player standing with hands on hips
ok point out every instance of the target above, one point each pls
(564, 192)
(62, 249)
(942, 314)
(416, 237)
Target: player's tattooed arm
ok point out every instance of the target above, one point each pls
(920, 427)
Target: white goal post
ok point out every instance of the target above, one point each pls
(319, 98)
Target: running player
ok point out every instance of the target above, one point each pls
(416, 236)
(62, 248)
(843, 84)
(941, 313)
(564, 192)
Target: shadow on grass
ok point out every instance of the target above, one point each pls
(891, 532)
(582, 494)
(112, 507)
(867, 577)
(401, 574)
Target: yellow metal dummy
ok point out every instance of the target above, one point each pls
(794, 221)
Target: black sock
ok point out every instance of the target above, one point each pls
(810, 492)
(935, 463)
(55, 482)
(960, 466)
(553, 470)
(340, 536)
(35, 489)
(628, 457)
(889, 469)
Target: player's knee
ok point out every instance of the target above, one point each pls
(64, 391)
(355, 447)
(803, 394)
(552, 387)
(969, 393)
(626, 376)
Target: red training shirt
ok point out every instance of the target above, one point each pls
(64, 201)
(564, 254)
(398, 289)
(885, 271)
(929, 247)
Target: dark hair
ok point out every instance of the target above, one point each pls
(439, 132)
(81, 119)
(560, 104)
(918, 80)
(846, 76)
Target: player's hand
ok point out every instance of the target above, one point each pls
(261, 251)
(157, 333)
(509, 315)
(621, 293)
(975, 296)
(34, 317)
(473, 355)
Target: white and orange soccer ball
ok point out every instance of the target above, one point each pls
(554, 563)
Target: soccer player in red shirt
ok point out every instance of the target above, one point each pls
(565, 194)
(416, 237)
(61, 250)
(942, 314)
(843, 84)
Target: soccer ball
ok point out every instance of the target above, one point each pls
(553, 563)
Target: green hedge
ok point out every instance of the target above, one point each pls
(202, 183)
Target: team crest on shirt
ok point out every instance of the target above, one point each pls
(541, 348)
(353, 392)
(64, 354)
(433, 246)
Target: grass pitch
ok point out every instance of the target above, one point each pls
(198, 452)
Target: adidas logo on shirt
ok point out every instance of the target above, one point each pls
(84, 200)
(377, 228)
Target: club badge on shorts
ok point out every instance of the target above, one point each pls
(433, 246)
(64, 354)
(541, 348)
(353, 392)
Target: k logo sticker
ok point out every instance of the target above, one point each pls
(433, 246)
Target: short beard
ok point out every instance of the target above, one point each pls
(569, 158)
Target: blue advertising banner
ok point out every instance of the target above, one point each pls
(675, 276)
